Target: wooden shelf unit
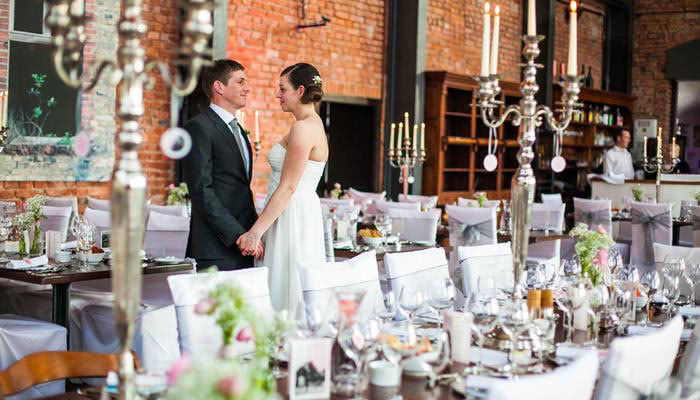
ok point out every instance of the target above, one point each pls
(457, 140)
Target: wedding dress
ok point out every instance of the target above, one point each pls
(296, 236)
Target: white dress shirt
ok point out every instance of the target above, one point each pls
(227, 117)
(618, 161)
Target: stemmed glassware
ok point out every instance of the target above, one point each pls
(383, 224)
(649, 284)
(352, 338)
(486, 311)
(84, 232)
(411, 299)
(514, 320)
(442, 295)
(385, 308)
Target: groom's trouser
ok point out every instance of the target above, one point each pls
(226, 264)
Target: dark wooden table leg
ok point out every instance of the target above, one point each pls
(61, 305)
(676, 234)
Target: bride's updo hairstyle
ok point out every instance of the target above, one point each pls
(303, 74)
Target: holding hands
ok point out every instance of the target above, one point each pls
(251, 244)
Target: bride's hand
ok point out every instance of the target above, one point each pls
(249, 243)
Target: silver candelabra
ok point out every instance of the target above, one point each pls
(527, 115)
(129, 72)
(4, 133)
(406, 157)
(657, 165)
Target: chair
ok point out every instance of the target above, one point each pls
(696, 226)
(67, 201)
(415, 226)
(415, 268)
(492, 260)
(661, 251)
(20, 337)
(319, 281)
(47, 366)
(366, 198)
(689, 369)
(471, 226)
(552, 198)
(593, 213)
(56, 219)
(638, 363)
(174, 210)
(384, 206)
(548, 252)
(651, 223)
(332, 203)
(166, 235)
(102, 221)
(686, 232)
(99, 204)
(426, 202)
(577, 380)
(198, 334)
(462, 202)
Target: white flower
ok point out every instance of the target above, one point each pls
(317, 80)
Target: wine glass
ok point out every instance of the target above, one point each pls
(649, 284)
(385, 308)
(383, 224)
(485, 311)
(544, 329)
(514, 320)
(86, 239)
(442, 295)
(411, 299)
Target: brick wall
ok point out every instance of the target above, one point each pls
(590, 38)
(348, 53)
(659, 26)
(453, 40)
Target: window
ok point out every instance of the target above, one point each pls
(39, 103)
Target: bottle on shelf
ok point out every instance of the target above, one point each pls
(590, 113)
(620, 119)
(589, 77)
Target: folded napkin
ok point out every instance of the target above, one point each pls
(573, 352)
(488, 357)
(69, 245)
(342, 244)
(482, 382)
(643, 330)
(29, 262)
(689, 311)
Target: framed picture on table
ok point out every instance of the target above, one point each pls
(310, 368)
(105, 239)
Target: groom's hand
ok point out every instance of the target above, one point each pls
(260, 251)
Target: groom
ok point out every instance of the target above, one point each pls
(218, 172)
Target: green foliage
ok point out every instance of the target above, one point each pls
(588, 245)
(637, 193)
(178, 194)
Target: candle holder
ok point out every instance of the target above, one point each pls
(657, 165)
(4, 133)
(256, 147)
(406, 157)
(527, 115)
(129, 72)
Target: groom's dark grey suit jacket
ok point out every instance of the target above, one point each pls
(219, 184)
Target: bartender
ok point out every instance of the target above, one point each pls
(618, 160)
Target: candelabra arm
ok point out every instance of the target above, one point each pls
(557, 124)
(491, 123)
(189, 83)
(71, 78)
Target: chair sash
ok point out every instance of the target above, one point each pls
(470, 234)
(593, 218)
(650, 223)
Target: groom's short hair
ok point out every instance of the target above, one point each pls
(220, 70)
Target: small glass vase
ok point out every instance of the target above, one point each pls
(22, 247)
(37, 247)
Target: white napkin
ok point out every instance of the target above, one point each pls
(689, 311)
(342, 244)
(488, 357)
(572, 351)
(482, 382)
(642, 330)
(69, 245)
(29, 262)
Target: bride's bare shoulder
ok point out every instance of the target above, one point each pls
(310, 128)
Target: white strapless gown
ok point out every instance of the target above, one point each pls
(297, 235)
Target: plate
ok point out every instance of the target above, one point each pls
(168, 260)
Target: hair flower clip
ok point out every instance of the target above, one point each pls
(317, 80)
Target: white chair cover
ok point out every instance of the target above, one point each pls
(593, 213)
(319, 281)
(175, 210)
(166, 235)
(636, 364)
(651, 223)
(689, 369)
(67, 201)
(56, 219)
(367, 198)
(7, 208)
(690, 254)
(462, 202)
(696, 226)
(493, 260)
(155, 338)
(384, 206)
(99, 204)
(547, 252)
(426, 202)
(577, 380)
(198, 335)
(101, 219)
(552, 198)
(415, 268)
(332, 203)
(415, 226)
(21, 336)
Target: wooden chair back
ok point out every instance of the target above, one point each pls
(47, 366)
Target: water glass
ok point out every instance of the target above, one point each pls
(383, 224)
(411, 299)
(442, 295)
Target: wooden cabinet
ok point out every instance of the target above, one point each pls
(457, 140)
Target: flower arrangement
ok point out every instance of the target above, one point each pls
(27, 220)
(481, 198)
(337, 191)
(227, 377)
(178, 194)
(592, 250)
(637, 193)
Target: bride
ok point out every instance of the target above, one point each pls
(291, 220)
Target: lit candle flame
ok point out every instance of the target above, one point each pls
(487, 7)
(497, 9)
(573, 6)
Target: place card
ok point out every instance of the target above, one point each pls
(310, 368)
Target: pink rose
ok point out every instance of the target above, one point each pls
(205, 306)
(603, 257)
(178, 368)
(601, 229)
(231, 386)
(244, 335)
(171, 187)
